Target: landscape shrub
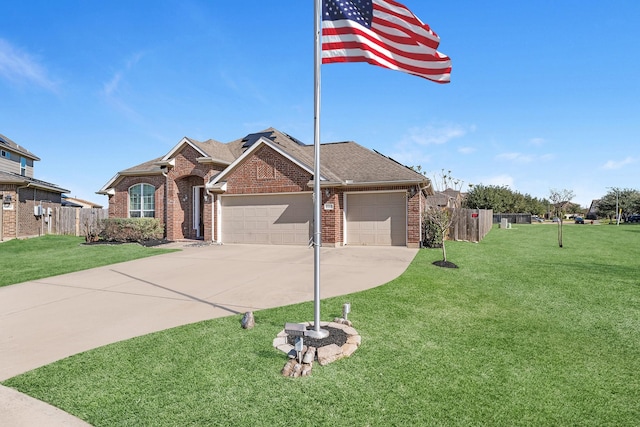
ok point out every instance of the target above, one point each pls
(431, 235)
(131, 229)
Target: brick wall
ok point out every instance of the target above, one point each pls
(186, 174)
(9, 223)
(267, 172)
(18, 219)
(332, 219)
(177, 213)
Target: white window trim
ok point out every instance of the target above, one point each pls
(141, 201)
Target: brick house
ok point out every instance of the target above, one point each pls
(259, 189)
(27, 203)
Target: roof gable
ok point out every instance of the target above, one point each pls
(261, 141)
(180, 145)
(9, 145)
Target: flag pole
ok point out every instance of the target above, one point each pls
(317, 198)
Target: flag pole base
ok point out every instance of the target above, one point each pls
(316, 334)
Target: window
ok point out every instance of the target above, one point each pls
(142, 201)
(23, 166)
(5, 154)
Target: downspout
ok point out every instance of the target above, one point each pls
(212, 203)
(166, 195)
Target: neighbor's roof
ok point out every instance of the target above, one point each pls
(19, 180)
(76, 202)
(341, 162)
(12, 146)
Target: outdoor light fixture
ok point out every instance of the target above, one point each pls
(7, 200)
(346, 309)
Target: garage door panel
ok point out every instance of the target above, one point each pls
(267, 219)
(376, 219)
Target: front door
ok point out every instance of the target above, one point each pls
(198, 211)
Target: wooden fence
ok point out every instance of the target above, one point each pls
(74, 221)
(471, 225)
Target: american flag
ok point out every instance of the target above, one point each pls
(383, 33)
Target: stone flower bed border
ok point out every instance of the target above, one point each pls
(328, 353)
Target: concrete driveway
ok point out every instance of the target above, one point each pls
(49, 319)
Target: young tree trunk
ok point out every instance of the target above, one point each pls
(560, 232)
(444, 250)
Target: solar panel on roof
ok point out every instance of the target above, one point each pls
(252, 138)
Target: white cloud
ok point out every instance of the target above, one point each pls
(612, 164)
(434, 135)
(466, 150)
(411, 157)
(112, 90)
(410, 149)
(537, 141)
(110, 87)
(524, 158)
(20, 67)
(515, 157)
(498, 180)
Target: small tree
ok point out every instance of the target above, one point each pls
(561, 200)
(438, 218)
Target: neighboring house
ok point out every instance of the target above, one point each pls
(259, 189)
(27, 203)
(448, 198)
(74, 202)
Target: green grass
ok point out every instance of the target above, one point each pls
(523, 333)
(31, 259)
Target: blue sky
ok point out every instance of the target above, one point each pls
(543, 94)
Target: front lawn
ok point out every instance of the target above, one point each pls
(523, 333)
(22, 260)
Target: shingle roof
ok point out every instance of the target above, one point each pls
(214, 149)
(341, 162)
(6, 142)
(151, 166)
(349, 161)
(13, 178)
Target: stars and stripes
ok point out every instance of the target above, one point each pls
(383, 33)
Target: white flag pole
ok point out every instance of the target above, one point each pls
(317, 198)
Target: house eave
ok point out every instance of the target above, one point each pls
(166, 163)
(218, 187)
(349, 183)
(212, 161)
(108, 190)
(52, 188)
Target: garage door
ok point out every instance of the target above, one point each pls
(377, 219)
(282, 219)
